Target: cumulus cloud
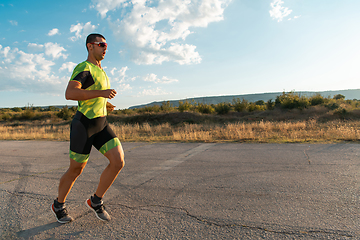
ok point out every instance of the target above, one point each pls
(119, 75)
(81, 30)
(55, 50)
(124, 87)
(277, 11)
(53, 32)
(103, 7)
(33, 47)
(155, 31)
(120, 78)
(69, 66)
(28, 71)
(153, 78)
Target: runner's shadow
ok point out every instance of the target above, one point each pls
(32, 232)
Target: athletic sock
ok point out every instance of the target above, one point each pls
(57, 204)
(96, 199)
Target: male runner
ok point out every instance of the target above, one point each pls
(90, 86)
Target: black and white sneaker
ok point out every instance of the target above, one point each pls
(98, 209)
(61, 214)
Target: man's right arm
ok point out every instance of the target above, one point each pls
(74, 92)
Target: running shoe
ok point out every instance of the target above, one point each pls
(61, 214)
(98, 209)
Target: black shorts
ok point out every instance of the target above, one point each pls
(85, 133)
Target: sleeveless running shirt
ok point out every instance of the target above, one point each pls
(91, 77)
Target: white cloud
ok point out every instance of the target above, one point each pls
(153, 78)
(154, 31)
(105, 6)
(120, 78)
(13, 22)
(53, 32)
(29, 72)
(119, 75)
(55, 50)
(277, 11)
(35, 47)
(124, 87)
(153, 92)
(81, 30)
(6, 51)
(69, 66)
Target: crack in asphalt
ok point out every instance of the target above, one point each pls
(210, 222)
(307, 157)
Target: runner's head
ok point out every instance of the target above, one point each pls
(96, 46)
(93, 37)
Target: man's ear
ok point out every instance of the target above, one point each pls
(89, 46)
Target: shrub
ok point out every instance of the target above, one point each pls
(5, 117)
(254, 107)
(166, 106)
(65, 113)
(16, 109)
(186, 106)
(317, 100)
(339, 97)
(51, 108)
(240, 105)
(332, 104)
(260, 102)
(123, 111)
(149, 109)
(341, 112)
(222, 108)
(27, 114)
(73, 108)
(291, 101)
(205, 108)
(270, 105)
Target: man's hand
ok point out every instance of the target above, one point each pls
(109, 93)
(110, 107)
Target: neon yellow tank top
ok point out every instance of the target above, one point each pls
(91, 77)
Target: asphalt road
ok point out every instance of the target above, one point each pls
(187, 191)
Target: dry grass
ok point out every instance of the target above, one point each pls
(28, 132)
(263, 131)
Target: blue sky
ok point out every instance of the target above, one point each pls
(176, 49)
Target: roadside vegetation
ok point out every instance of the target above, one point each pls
(288, 118)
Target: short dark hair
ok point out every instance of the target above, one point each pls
(92, 37)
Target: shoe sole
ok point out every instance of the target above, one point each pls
(53, 211)
(88, 204)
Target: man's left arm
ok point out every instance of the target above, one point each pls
(110, 107)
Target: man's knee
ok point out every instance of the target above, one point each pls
(76, 168)
(116, 157)
(119, 163)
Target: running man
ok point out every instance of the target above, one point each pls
(90, 86)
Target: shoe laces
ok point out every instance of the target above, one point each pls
(100, 208)
(62, 212)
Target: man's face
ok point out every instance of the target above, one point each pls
(97, 50)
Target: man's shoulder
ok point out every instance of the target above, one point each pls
(83, 66)
(80, 71)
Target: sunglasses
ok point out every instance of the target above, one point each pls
(100, 44)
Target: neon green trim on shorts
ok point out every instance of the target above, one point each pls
(110, 145)
(78, 157)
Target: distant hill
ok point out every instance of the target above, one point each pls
(349, 94)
